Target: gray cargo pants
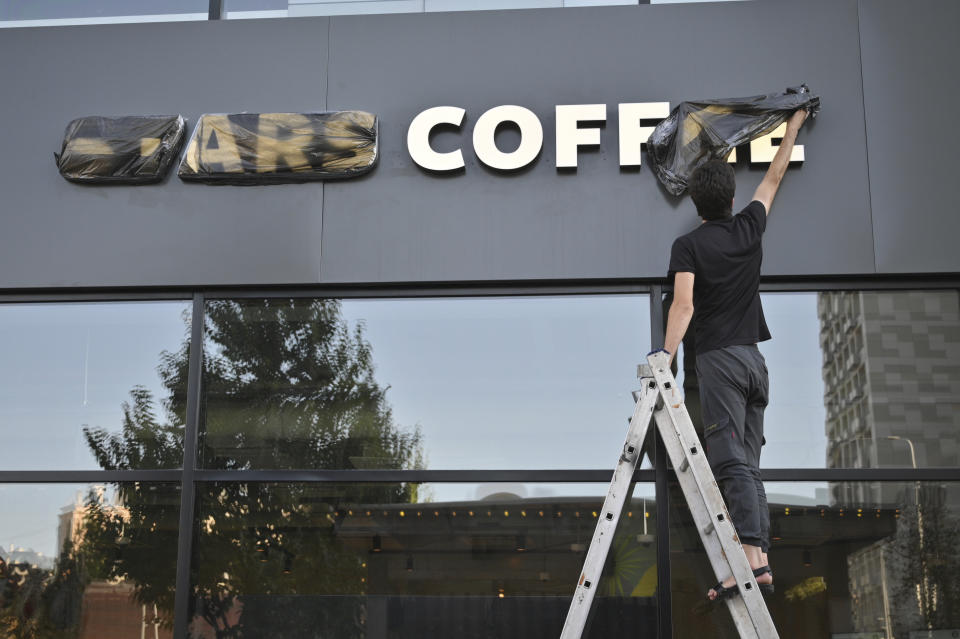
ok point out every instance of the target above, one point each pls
(734, 390)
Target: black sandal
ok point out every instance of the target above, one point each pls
(724, 593)
(765, 589)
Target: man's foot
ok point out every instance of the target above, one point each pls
(729, 587)
(723, 590)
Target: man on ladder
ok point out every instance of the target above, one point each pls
(716, 270)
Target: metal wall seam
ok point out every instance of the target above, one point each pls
(181, 615)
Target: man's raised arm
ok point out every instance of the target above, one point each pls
(771, 181)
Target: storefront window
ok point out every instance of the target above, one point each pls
(883, 567)
(93, 386)
(394, 560)
(88, 560)
(520, 382)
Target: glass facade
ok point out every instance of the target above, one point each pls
(407, 467)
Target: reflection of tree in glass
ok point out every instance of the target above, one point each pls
(286, 385)
(926, 589)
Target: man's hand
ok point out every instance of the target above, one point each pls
(797, 119)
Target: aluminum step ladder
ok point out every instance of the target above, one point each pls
(660, 399)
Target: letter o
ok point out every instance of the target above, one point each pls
(531, 137)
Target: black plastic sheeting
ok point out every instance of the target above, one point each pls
(703, 130)
(133, 149)
(277, 148)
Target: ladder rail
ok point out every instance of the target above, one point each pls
(618, 494)
(703, 519)
(714, 526)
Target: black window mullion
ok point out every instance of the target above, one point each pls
(481, 476)
(662, 478)
(181, 615)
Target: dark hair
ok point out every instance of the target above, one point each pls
(712, 187)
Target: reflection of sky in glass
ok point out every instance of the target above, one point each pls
(30, 516)
(812, 493)
(794, 420)
(67, 366)
(545, 382)
(510, 383)
(435, 492)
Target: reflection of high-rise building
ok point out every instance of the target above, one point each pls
(891, 372)
(71, 518)
(70, 523)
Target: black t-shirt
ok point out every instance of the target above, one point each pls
(725, 257)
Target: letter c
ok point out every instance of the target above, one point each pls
(418, 139)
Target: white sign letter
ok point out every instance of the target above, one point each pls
(569, 136)
(531, 137)
(762, 149)
(418, 139)
(632, 135)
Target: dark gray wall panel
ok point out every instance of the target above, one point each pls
(911, 86)
(401, 224)
(60, 234)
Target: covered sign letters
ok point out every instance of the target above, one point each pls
(272, 148)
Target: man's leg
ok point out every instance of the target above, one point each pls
(758, 397)
(724, 386)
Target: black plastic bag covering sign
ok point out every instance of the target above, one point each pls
(132, 149)
(697, 132)
(276, 148)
